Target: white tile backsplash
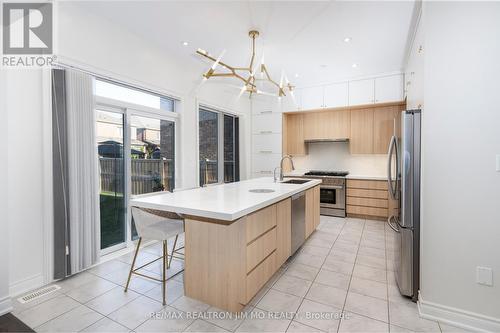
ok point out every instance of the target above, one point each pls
(336, 156)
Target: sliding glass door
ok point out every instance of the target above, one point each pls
(152, 153)
(110, 139)
(209, 147)
(231, 149)
(218, 135)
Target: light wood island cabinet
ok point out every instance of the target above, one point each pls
(227, 264)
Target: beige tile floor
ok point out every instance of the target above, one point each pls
(345, 267)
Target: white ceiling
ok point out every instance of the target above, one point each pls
(304, 37)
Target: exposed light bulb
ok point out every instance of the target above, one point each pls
(185, 43)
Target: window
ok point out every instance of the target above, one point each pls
(136, 150)
(231, 151)
(218, 147)
(133, 95)
(109, 131)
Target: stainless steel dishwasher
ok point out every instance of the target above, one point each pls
(298, 220)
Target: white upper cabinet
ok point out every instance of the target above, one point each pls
(266, 123)
(389, 89)
(265, 105)
(336, 95)
(362, 92)
(311, 98)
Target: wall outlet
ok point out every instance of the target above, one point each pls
(484, 275)
(498, 162)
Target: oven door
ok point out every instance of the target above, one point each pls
(332, 196)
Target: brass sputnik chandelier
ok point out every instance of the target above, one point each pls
(250, 81)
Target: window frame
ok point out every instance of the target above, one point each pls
(128, 110)
(220, 140)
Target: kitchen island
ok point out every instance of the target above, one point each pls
(237, 235)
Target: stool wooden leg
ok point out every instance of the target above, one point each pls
(164, 280)
(133, 263)
(173, 251)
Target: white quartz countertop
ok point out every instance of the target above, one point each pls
(223, 202)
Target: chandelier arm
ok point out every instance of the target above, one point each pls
(213, 59)
(243, 69)
(250, 82)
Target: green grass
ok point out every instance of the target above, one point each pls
(112, 208)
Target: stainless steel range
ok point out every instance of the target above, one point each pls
(332, 191)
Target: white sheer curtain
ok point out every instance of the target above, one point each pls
(84, 219)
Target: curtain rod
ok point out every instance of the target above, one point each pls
(113, 80)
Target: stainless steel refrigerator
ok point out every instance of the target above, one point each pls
(404, 185)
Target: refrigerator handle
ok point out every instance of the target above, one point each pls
(389, 222)
(393, 146)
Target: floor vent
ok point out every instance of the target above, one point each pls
(38, 294)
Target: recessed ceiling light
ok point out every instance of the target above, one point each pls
(297, 75)
(354, 65)
(347, 39)
(185, 43)
(323, 66)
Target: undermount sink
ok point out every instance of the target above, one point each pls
(261, 190)
(296, 181)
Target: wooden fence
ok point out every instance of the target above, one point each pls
(146, 175)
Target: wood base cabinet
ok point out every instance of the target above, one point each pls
(368, 199)
(227, 265)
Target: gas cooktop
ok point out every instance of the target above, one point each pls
(327, 173)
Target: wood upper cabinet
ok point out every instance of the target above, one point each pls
(385, 123)
(368, 128)
(283, 231)
(361, 141)
(293, 134)
(334, 124)
(372, 128)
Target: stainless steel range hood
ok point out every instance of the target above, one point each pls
(326, 140)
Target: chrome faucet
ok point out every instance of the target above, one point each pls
(281, 167)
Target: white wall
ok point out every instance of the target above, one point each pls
(25, 178)
(461, 133)
(5, 305)
(336, 156)
(86, 40)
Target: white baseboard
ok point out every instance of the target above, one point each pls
(457, 317)
(25, 285)
(5, 305)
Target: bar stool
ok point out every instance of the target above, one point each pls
(157, 225)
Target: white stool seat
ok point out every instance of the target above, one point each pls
(155, 227)
(163, 230)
